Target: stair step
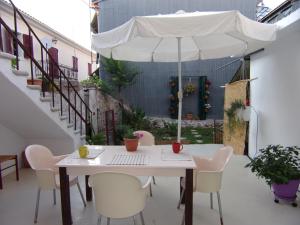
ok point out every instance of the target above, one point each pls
(54, 109)
(69, 125)
(63, 117)
(77, 131)
(20, 73)
(34, 87)
(5, 55)
(46, 99)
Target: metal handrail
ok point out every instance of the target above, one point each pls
(88, 113)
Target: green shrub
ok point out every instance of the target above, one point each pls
(98, 139)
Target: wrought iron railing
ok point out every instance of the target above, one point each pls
(61, 85)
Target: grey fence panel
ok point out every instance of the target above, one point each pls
(151, 88)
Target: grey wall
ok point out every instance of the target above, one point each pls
(151, 90)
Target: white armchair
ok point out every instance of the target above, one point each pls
(119, 195)
(208, 176)
(43, 162)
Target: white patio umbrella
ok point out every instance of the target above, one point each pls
(184, 37)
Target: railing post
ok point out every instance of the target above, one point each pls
(15, 41)
(75, 111)
(61, 99)
(80, 119)
(69, 106)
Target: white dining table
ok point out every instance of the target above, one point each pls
(158, 160)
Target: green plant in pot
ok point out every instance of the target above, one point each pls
(280, 167)
(234, 114)
(130, 140)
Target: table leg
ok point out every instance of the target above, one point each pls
(1, 185)
(189, 197)
(182, 200)
(17, 168)
(65, 196)
(88, 190)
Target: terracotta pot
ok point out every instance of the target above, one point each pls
(131, 144)
(35, 82)
(189, 116)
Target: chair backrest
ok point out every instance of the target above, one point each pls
(40, 159)
(209, 173)
(146, 139)
(222, 157)
(117, 195)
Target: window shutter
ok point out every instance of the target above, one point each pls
(90, 69)
(8, 42)
(28, 43)
(1, 40)
(53, 68)
(75, 63)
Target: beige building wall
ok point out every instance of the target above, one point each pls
(66, 47)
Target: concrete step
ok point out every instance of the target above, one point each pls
(46, 99)
(69, 125)
(34, 87)
(77, 131)
(8, 56)
(63, 117)
(54, 109)
(20, 73)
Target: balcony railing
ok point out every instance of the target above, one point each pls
(69, 72)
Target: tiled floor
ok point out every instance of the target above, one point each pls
(246, 201)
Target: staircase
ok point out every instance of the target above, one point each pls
(57, 116)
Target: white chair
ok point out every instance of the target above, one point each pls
(119, 195)
(42, 161)
(147, 139)
(208, 176)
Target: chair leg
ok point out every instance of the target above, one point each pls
(150, 190)
(181, 196)
(99, 220)
(80, 191)
(153, 179)
(211, 201)
(108, 221)
(142, 218)
(182, 221)
(220, 208)
(54, 197)
(134, 222)
(37, 205)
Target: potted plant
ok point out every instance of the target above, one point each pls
(189, 116)
(131, 140)
(234, 114)
(280, 167)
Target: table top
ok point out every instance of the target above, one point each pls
(4, 158)
(157, 156)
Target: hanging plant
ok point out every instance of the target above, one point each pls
(232, 113)
(189, 89)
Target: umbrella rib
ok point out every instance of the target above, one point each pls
(156, 46)
(197, 47)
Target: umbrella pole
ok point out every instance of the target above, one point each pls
(179, 91)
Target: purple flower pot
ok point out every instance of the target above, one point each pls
(286, 191)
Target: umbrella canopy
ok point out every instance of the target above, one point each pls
(205, 35)
(184, 37)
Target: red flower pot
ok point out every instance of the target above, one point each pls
(131, 144)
